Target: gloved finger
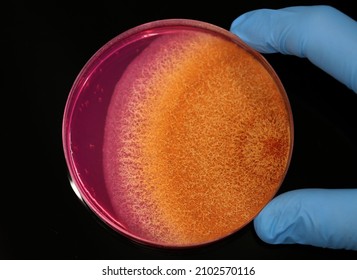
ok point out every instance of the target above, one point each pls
(319, 217)
(324, 35)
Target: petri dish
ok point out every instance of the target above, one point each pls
(176, 133)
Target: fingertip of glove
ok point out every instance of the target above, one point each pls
(276, 223)
(264, 225)
(252, 28)
(236, 22)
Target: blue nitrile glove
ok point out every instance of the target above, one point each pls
(328, 38)
(324, 35)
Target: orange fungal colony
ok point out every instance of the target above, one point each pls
(197, 140)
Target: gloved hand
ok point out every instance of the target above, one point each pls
(328, 38)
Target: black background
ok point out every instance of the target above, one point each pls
(44, 48)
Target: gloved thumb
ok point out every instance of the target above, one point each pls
(324, 35)
(319, 217)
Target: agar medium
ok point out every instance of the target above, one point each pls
(176, 134)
